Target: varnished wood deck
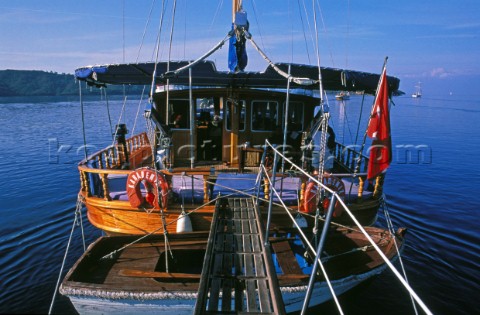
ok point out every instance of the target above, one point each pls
(238, 274)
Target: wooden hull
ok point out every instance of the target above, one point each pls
(183, 303)
(132, 281)
(119, 218)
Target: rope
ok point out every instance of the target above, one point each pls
(145, 31)
(157, 48)
(317, 52)
(78, 214)
(205, 56)
(304, 33)
(138, 110)
(359, 119)
(83, 120)
(297, 80)
(385, 259)
(174, 10)
(108, 109)
(390, 226)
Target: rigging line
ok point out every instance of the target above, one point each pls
(157, 48)
(119, 120)
(347, 125)
(326, 34)
(308, 23)
(390, 225)
(145, 31)
(185, 29)
(303, 29)
(171, 34)
(359, 119)
(254, 6)
(385, 259)
(123, 30)
(158, 229)
(290, 16)
(138, 110)
(108, 109)
(78, 214)
(297, 80)
(219, 6)
(83, 120)
(317, 52)
(167, 99)
(309, 245)
(201, 58)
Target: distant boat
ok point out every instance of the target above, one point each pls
(342, 96)
(418, 91)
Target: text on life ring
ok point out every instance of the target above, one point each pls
(155, 186)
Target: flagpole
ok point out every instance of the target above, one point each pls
(357, 166)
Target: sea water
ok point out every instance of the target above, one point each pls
(431, 186)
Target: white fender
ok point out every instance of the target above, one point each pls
(184, 224)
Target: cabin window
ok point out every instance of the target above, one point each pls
(207, 110)
(179, 113)
(295, 116)
(228, 115)
(264, 115)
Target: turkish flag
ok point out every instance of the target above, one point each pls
(379, 131)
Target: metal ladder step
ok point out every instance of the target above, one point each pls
(238, 275)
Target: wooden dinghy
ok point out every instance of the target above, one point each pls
(124, 274)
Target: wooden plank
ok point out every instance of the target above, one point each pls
(286, 258)
(158, 274)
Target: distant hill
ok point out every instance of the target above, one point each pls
(42, 83)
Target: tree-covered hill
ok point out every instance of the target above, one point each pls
(42, 83)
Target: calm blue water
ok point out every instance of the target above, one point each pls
(433, 192)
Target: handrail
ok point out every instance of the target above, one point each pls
(111, 154)
(330, 211)
(110, 158)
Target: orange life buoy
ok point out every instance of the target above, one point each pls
(311, 191)
(153, 181)
(337, 185)
(310, 198)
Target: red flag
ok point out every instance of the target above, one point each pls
(379, 131)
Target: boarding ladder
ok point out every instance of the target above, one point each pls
(238, 276)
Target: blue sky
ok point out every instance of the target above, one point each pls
(427, 41)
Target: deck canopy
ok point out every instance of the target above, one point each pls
(205, 74)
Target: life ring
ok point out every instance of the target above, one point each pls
(310, 198)
(311, 191)
(337, 185)
(155, 185)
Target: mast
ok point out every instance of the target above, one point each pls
(236, 5)
(236, 107)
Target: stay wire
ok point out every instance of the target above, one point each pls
(304, 33)
(145, 31)
(78, 214)
(392, 231)
(104, 89)
(83, 121)
(359, 119)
